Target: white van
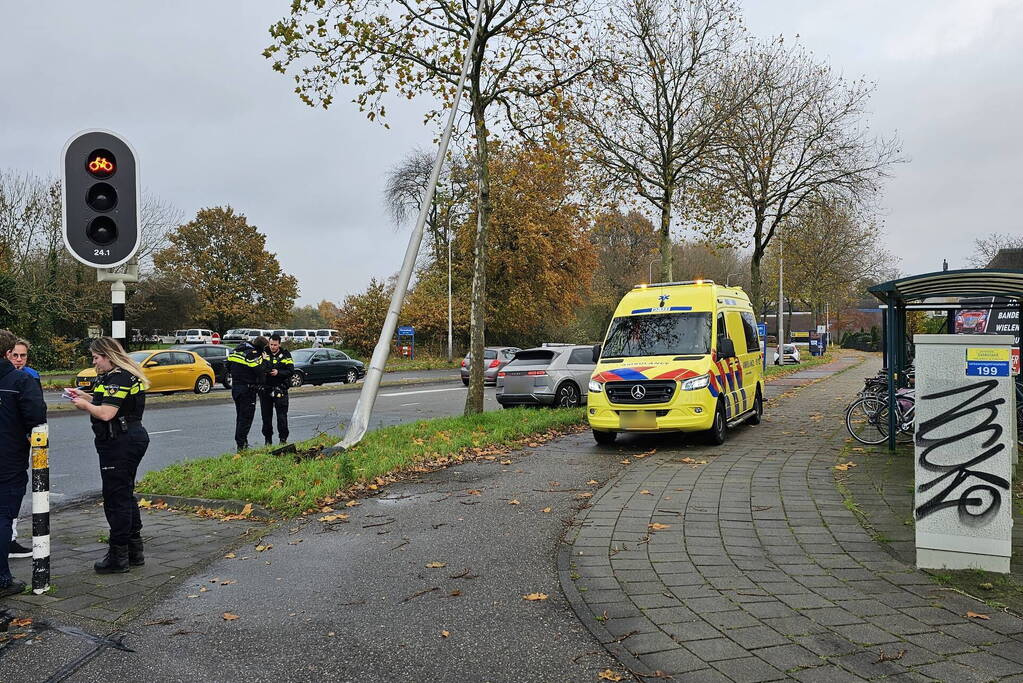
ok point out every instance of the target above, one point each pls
(325, 336)
(198, 336)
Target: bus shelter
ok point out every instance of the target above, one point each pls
(899, 296)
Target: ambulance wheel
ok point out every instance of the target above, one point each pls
(718, 428)
(758, 409)
(604, 438)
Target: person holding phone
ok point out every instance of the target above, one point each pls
(115, 410)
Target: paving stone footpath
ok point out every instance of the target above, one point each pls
(743, 563)
(85, 611)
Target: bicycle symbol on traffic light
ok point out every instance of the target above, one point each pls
(101, 164)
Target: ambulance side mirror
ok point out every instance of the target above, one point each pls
(726, 348)
(596, 352)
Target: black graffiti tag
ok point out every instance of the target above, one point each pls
(970, 505)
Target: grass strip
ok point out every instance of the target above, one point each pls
(774, 371)
(293, 483)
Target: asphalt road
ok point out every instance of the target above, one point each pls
(205, 429)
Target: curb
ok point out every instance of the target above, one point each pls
(225, 397)
(230, 506)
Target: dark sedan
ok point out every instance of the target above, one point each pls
(316, 366)
(215, 355)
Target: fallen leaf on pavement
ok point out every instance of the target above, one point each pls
(247, 510)
(192, 596)
(974, 615)
(592, 482)
(513, 502)
(203, 589)
(444, 634)
(455, 593)
(230, 556)
(230, 617)
(626, 462)
(546, 509)
(506, 462)
(842, 467)
(228, 582)
(474, 492)
(609, 675)
(657, 526)
(436, 565)
(645, 453)
(587, 494)
(261, 548)
(143, 503)
(21, 622)
(645, 493)
(334, 518)
(535, 596)
(352, 503)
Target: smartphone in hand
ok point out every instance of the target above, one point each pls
(69, 393)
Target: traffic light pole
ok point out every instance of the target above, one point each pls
(118, 328)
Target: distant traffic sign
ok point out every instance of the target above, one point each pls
(407, 331)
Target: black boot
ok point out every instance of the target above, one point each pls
(136, 558)
(115, 561)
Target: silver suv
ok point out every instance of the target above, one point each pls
(556, 375)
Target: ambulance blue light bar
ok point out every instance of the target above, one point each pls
(672, 284)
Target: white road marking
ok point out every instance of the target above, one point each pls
(408, 404)
(166, 431)
(303, 416)
(422, 391)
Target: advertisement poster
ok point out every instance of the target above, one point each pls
(987, 316)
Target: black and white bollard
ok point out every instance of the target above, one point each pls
(40, 441)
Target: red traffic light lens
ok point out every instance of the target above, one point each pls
(102, 230)
(101, 164)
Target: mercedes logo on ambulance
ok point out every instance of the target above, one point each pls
(638, 392)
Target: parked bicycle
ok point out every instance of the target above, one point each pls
(867, 417)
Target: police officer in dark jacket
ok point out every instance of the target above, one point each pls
(21, 408)
(115, 410)
(279, 369)
(247, 365)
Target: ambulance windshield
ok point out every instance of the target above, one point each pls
(659, 334)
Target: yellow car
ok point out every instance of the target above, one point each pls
(167, 370)
(678, 357)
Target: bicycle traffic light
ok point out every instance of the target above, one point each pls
(100, 199)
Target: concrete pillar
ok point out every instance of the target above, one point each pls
(965, 448)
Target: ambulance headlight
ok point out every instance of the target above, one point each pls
(596, 387)
(696, 383)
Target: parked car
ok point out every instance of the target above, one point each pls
(167, 370)
(316, 366)
(198, 336)
(179, 336)
(494, 358)
(550, 376)
(791, 354)
(327, 336)
(235, 336)
(216, 356)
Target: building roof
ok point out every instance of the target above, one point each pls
(1007, 258)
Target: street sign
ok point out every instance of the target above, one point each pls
(100, 198)
(821, 329)
(407, 331)
(762, 329)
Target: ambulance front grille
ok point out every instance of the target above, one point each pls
(654, 391)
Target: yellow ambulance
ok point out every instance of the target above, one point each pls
(678, 357)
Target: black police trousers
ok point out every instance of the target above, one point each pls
(268, 403)
(119, 460)
(244, 396)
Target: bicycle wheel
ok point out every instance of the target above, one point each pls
(867, 420)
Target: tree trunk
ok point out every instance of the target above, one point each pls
(474, 397)
(756, 295)
(666, 245)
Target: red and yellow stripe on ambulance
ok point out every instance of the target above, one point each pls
(677, 357)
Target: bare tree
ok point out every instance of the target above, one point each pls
(801, 138)
(525, 51)
(157, 220)
(986, 248)
(656, 103)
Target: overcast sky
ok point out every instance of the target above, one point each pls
(185, 82)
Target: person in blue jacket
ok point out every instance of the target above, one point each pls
(19, 359)
(21, 408)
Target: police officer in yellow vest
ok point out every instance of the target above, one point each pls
(247, 365)
(279, 369)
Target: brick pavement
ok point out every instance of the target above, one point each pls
(761, 572)
(84, 607)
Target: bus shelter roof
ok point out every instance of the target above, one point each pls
(959, 283)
